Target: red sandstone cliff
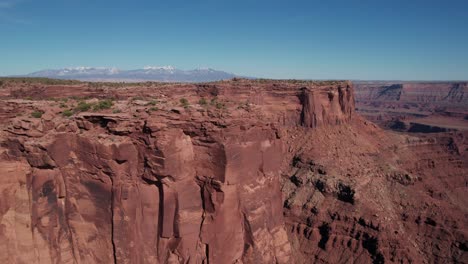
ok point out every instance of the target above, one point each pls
(264, 172)
(448, 93)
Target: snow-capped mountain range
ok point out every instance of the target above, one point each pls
(147, 73)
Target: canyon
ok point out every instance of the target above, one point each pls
(421, 107)
(237, 171)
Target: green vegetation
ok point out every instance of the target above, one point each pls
(116, 111)
(48, 81)
(202, 102)
(152, 102)
(45, 81)
(184, 102)
(152, 109)
(67, 113)
(124, 84)
(37, 114)
(103, 104)
(219, 105)
(1, 83)
(63, 105)
(83, 106)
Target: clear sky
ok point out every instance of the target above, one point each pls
(314, 39)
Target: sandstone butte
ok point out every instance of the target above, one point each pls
(256, 172)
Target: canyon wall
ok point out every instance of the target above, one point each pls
(237, 172)
(426, 107)
(443, 93)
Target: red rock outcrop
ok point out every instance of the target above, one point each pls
(237, 172)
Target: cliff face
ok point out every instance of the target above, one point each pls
(321, 107)
(256, 172)
(448, 93)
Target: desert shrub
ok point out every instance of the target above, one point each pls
(94, 84)
(1, 83)
(63, 105)
(184, 102)
(152, 102)
(83, 107)
(202, 101)
(154, 109)
(39, 80)
(220, 105)
(116, 111)
(37, 114)
(103, 104)
(67, 113)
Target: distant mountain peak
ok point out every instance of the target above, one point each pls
(167, 68)
(147, 73)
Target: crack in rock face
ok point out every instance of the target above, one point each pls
(240, 171)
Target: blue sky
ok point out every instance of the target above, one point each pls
(379, 39)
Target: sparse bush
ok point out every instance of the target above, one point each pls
(103, 104)
(202, 101)
(152, 109)
(1, 83)
(83, 107)
(29, 98)
(152, 102)
(67, 113)
(38, 80)
(184, 102)
(217, 104)
(220, 105)
(116, 111)
(37, 114)
(94, 84)
(63, 105)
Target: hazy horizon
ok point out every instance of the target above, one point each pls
(346, 40)
(240, 76)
